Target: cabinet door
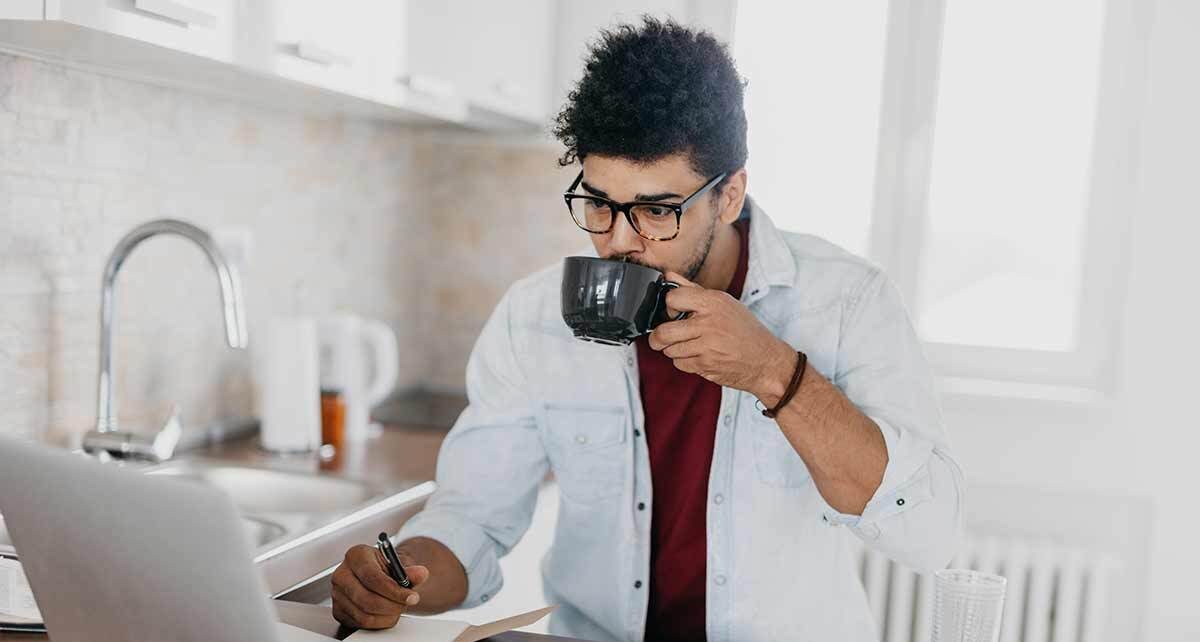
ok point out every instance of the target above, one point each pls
(325, 43)
(497, 54)
(201, 27)
(395, 83)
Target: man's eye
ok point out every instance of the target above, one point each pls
(657, 211)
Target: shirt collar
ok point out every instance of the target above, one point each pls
(771, 260)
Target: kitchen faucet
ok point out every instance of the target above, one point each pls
(106, 437)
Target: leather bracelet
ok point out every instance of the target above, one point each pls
(793, 386)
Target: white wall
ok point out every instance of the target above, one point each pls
(1146, 442)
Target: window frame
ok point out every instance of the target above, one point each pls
(902, 181)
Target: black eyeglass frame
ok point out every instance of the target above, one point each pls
(627, 207)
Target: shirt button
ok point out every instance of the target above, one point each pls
(637, 433)
(629, 362)
(728, 419)
(641, 505)
(719, 580)
(485, 597)
(581, 439)
(718, 498)
(637, 584)
(900, 502)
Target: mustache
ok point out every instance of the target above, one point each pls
(625, 258)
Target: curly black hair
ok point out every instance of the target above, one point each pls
(653, 90)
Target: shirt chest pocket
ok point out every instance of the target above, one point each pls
(776, 462)
(586, 445)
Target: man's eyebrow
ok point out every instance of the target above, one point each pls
(656, 197)
(637, 197)
(593, 190)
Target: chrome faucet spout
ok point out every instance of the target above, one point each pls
(231, 298)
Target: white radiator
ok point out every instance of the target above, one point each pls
(1054, 594)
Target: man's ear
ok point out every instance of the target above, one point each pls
(733, 196)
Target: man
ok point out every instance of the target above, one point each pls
(686, 513)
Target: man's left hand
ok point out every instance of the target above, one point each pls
(722, 341)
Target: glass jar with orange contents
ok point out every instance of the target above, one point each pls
(333, 420)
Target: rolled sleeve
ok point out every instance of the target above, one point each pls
(915, 514)
(900, 490)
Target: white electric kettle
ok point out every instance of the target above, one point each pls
(359, 358)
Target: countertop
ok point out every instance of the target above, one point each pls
(399, 451)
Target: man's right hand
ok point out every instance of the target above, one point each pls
(365, 596)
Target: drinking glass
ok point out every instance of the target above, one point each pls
(967, 606)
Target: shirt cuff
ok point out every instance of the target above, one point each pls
(473, 548)
(905, 482)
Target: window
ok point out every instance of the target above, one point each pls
(812, 124)
(979, 151)
(1012, 147)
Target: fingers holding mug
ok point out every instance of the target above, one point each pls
(668, 313)
(683, 297)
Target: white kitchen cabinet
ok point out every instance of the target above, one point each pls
(498, 55)
(393, 82)
(324, 43)
(484, 64)
(202, 27)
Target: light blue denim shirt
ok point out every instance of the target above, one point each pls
(780, 562)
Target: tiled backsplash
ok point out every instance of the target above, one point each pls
(423, 229)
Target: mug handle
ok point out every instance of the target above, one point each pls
(664, 287)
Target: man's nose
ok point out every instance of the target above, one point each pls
(623, 239)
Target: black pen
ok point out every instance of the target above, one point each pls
(394, 568)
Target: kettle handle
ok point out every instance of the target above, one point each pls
(386, 354)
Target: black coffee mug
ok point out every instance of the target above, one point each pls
(613, 302)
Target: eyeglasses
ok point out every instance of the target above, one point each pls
(652, 220)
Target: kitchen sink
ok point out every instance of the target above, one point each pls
(278, 505)
(260, 490)
(262, 532)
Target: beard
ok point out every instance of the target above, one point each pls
(694, 263)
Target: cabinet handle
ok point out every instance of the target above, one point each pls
(178, 12)
(428, 85)
(312, 52)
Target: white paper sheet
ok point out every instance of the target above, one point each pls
(16, 598)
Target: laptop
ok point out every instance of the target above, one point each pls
(112, 554)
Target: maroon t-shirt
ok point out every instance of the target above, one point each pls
(681, 428)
